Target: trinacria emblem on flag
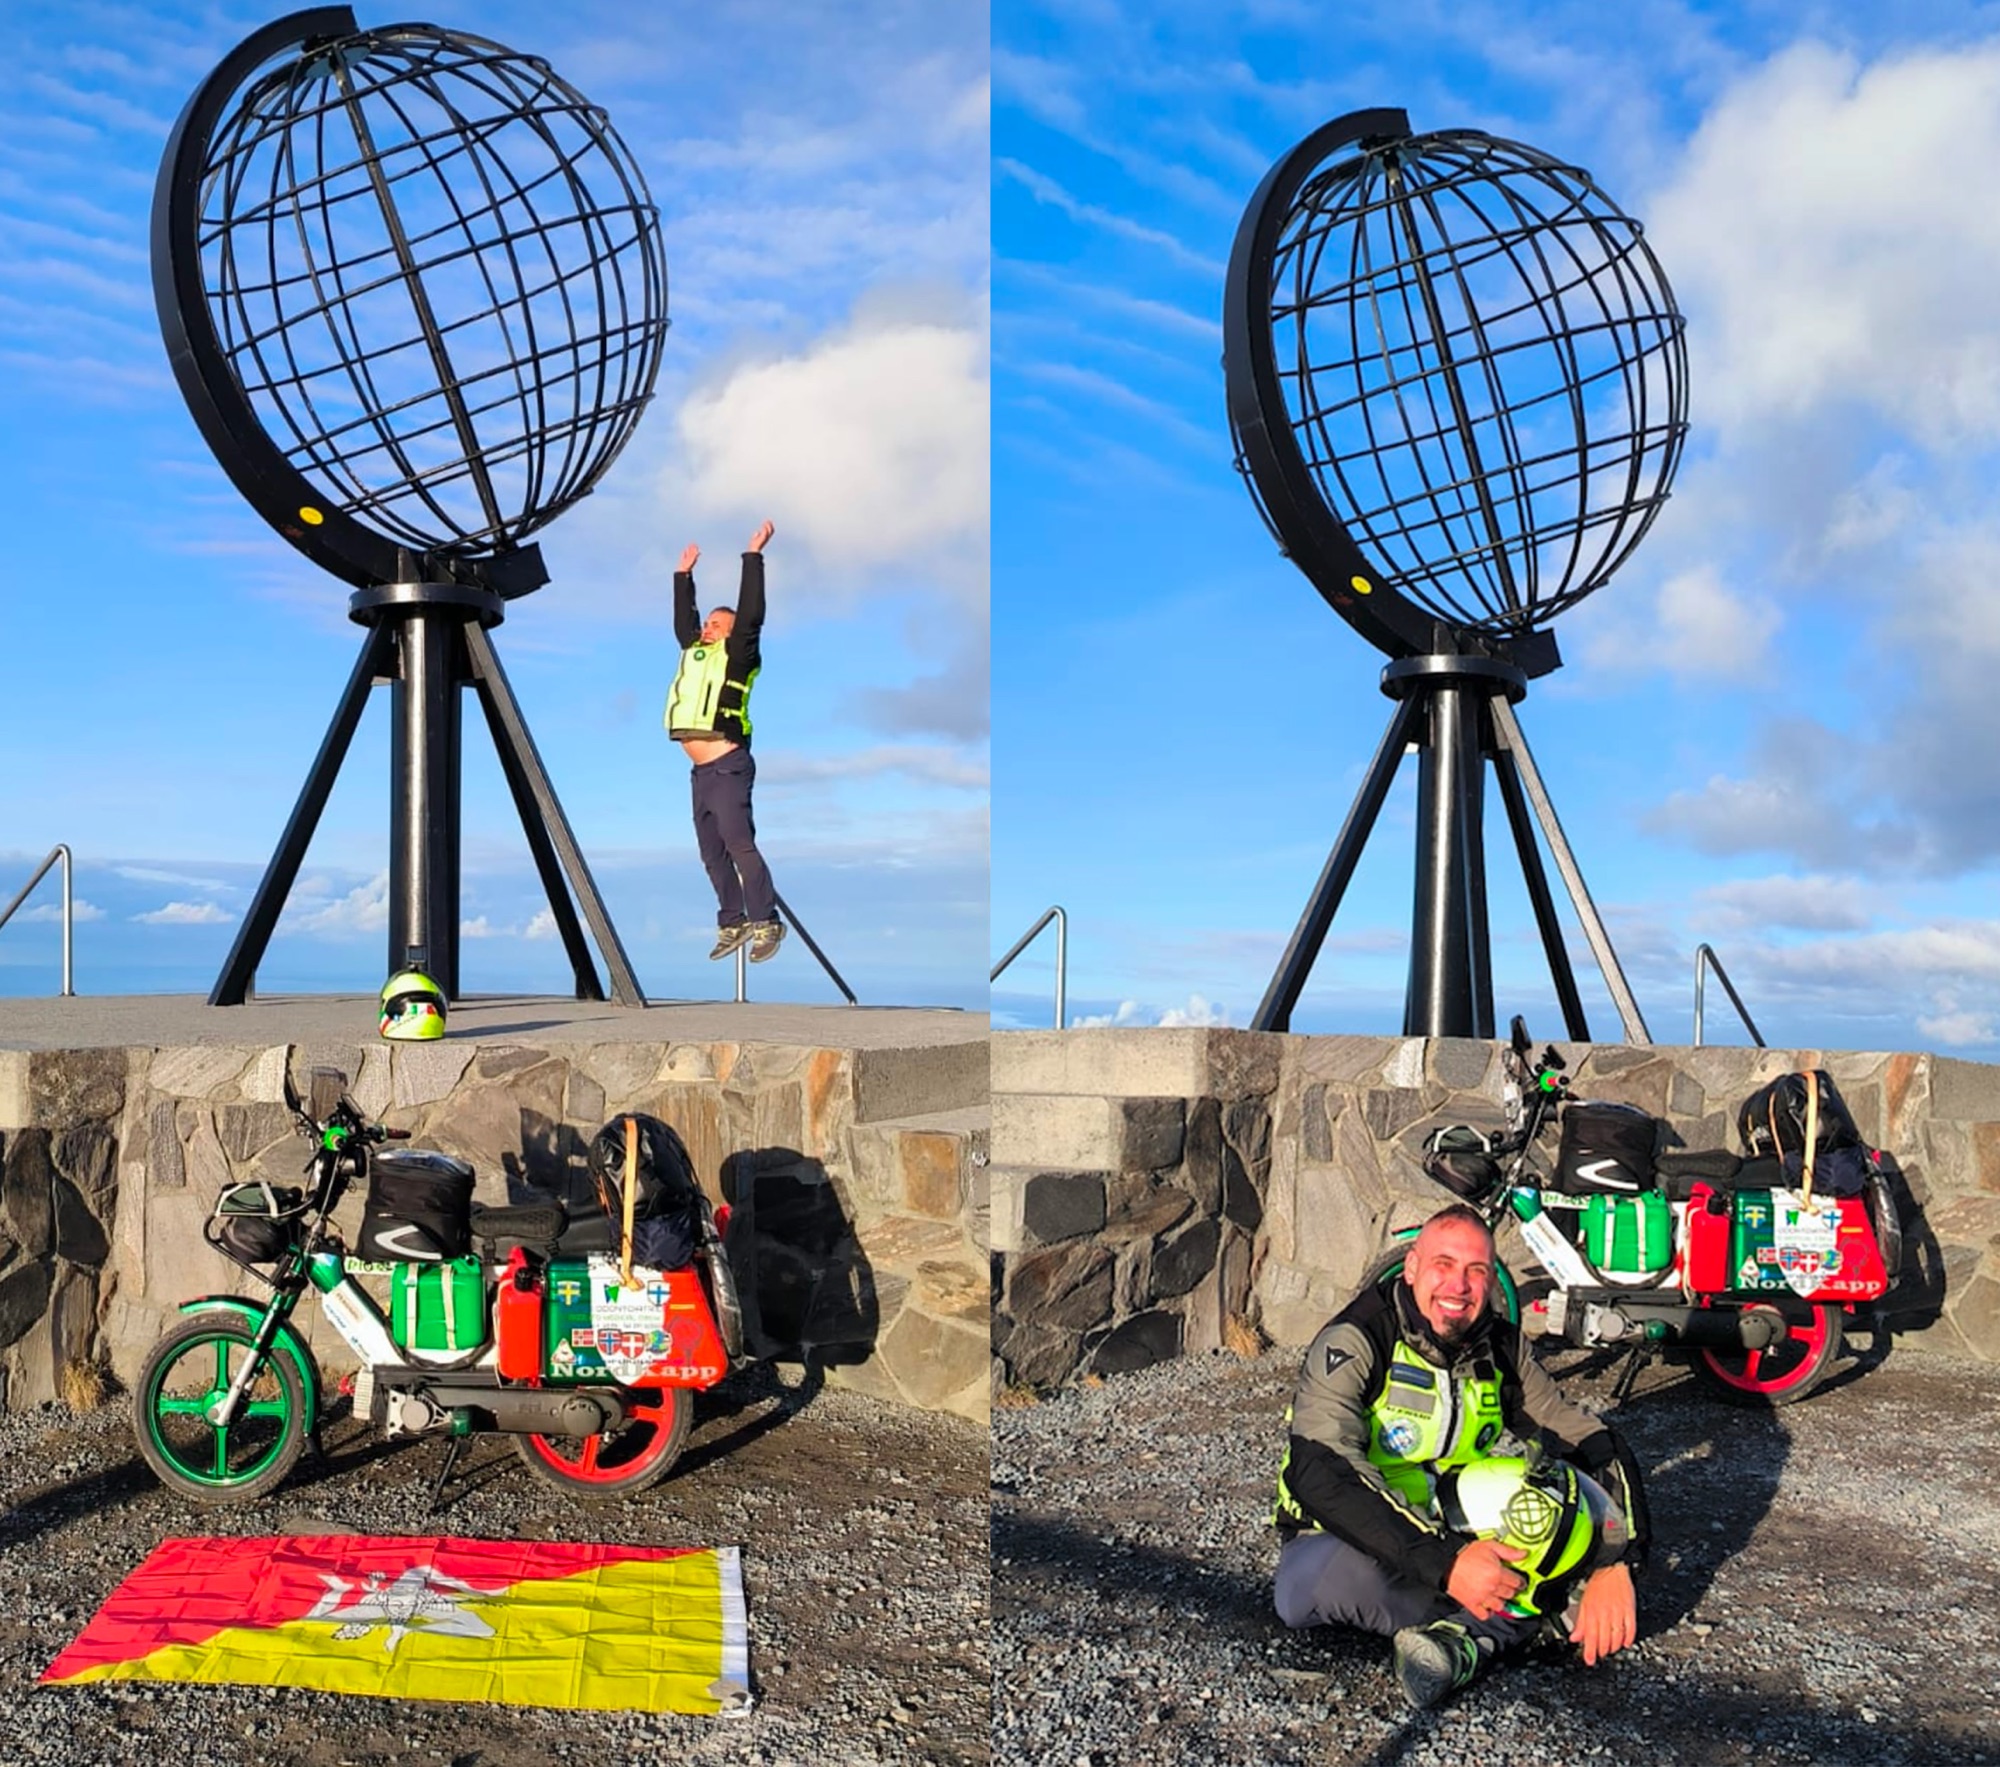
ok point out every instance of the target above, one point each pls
(608, 1628)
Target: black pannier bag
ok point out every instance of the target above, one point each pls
(1605, 1148)
(666, 1212)
(254, 1220)
(419, 1208)
(1463, 1160)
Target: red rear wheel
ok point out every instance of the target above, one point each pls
(621, 1462)
(1787, 1371)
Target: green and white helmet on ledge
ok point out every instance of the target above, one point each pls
(1543, 1506)
(412, 1008)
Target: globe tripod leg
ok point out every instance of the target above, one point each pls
(239, 970)
(1508, 728)
(1274, 1013)
(512, 738)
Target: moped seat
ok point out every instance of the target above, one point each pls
(537, 1226)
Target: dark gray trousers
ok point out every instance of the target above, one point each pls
(1324, 1581)
(727, 838)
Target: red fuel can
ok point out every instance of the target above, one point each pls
(1705, 1270)
(517, 1320)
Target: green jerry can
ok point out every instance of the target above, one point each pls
(1629, 1238)
(438, 1307)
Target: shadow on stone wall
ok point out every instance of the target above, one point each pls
(808, 1289)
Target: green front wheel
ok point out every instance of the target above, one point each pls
(177, 1403)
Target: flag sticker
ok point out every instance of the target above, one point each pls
(533, 1623)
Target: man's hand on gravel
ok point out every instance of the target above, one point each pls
(1607, 1618)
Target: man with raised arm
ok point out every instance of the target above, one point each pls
(1403, 1513)
(708, 714)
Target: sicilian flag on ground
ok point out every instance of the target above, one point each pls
(527, 1623)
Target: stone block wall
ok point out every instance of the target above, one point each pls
(856, 1177)
(1155, 1186)
(1129, 1182)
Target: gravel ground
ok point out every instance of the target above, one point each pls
(1822, 1587)
(863, 1528)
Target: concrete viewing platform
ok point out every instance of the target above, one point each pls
(124, 1021)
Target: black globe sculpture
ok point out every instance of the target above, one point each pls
(1457, 385)
(412, 287)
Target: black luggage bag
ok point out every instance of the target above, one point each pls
(1605, 1148)
(419, 1208)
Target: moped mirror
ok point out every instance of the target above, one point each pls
(329, 1087)
(1520, 1035)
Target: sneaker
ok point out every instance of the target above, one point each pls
(729, 937)
(1433, 1662)
(765, 938)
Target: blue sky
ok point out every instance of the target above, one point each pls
(821, 173)
(1776, 728)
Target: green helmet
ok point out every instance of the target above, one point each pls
(1541, 1506)
(412, 1008)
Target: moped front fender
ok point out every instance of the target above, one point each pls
(288, 1344)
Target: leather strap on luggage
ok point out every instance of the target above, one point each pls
(1811, 1078)
(625, 1276)
(1812, 1132)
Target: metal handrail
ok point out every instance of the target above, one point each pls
(1062, 957)
(56, 852)
(1705, 959)
(797, 926)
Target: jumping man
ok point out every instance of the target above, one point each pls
(708, 714)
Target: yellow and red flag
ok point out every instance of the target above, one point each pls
(532, 1623)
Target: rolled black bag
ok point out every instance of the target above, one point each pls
(666, 1220)
(1605, 1148)
(1772, 1120)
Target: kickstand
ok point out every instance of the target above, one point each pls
(1635, 1359)
(453, 1449)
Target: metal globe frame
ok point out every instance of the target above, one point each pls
(1457, 387)
(408, 415)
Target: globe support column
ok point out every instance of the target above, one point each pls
(1450, 987)
(424, 797)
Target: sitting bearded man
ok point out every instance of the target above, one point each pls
(1399, 1517)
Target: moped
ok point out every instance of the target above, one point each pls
(524, 1321)
(1741, 1262)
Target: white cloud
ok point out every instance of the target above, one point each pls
(154, 874)
(1045, 189)
(1818, 903)
(186, 914)
(1696, 629)
(870, 447)
(1707, 632)
(1198, 1011)
(479, 927)
(80, 910)
(1956, 1027)
(364, 909)
(541, 925)
(1130, 1014)
(1832, 237)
